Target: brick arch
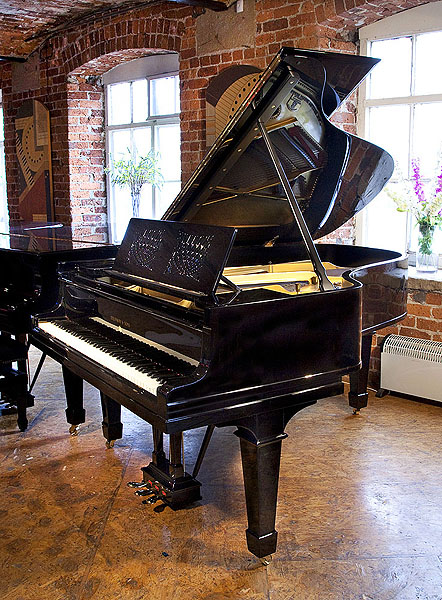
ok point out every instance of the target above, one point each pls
(131, 33)
(334, 24)
(86, 141)
(350, 15)
(72, 63)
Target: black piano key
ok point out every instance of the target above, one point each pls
(141, 356)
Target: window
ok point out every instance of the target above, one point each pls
(142, 114)
(401, 111)
(4, 219)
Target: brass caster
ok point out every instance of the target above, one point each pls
(356, 411)
(266, 560)
(74, 429)
(110, 443)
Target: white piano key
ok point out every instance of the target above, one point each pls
(132, 374)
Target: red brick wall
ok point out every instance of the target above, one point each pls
(86, 157)
(76, 107)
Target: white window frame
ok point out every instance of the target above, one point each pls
(422, 19)
(149, 68)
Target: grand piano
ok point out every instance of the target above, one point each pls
(226, 313)
(30, 254)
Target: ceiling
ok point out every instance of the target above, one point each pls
(25, 24)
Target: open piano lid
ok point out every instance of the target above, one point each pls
(332, 173)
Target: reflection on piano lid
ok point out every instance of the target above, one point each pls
(45, 238)
(31, 254)
(332, 174)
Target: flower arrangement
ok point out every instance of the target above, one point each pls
(132, 173)
(424, 205)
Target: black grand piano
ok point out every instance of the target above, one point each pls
(30, 254)
(225, 312)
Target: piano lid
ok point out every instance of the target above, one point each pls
(44, 238)
(333, 174)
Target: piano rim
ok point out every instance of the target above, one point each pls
(87, 370)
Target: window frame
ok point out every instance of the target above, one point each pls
(151, 122)
(410, 23)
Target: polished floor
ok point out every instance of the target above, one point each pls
(359, 514)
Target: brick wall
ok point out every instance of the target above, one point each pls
(86, 143)
(111, 38)
(67, 66)
(424, 320)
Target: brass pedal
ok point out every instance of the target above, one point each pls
(74, 430)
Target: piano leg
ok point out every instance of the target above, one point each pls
(358, 396)
(111, 424)
(260, 442)
(260, 463)
(158, 455)
(75, 413)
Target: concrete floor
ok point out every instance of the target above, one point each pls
(359, 514)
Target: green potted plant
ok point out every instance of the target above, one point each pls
(134, 172)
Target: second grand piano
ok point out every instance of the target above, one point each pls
(225, 313)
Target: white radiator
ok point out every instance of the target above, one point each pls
(412, 366)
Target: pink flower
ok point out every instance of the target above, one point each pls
(418, 187)
(439, 182)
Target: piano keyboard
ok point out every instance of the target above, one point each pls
(136, 360)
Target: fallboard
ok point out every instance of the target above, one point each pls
(178, 336)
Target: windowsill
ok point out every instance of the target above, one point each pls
(431, 282)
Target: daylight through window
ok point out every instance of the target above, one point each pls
(143, 115)
(402, 113)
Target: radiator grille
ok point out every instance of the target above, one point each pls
(401, 345)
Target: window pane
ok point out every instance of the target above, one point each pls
(142, 137)
(167, 144)
(164, 197)
(119, 103)
(385, 226)
(120, 212)
(164, 96)
(427, 136)
(140, 101)
(146, 211)
(119, 142)
(392, 76)
(388, 127)
(428, 50)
